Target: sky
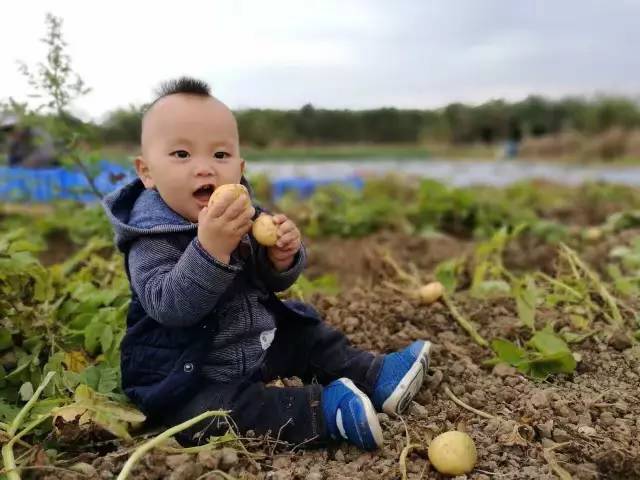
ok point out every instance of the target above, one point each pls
(332, 53)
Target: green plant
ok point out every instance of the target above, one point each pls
(543, 355)
(67, 318)
(345, 212)
(304, 288)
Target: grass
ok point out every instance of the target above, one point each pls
(124, 154)
(332, 152)
(371, 152)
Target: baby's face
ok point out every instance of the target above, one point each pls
(189, 147)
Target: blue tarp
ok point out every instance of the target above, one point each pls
(45, 185)
(305, 187)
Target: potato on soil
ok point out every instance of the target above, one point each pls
(453, 453)
(430, 292)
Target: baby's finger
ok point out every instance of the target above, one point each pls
(242, 223)
(202, 214)
(244, 227)
(286, 227)
(221, 204)
(287, 238)
(279, 218)
(282, 254)
(237, 208)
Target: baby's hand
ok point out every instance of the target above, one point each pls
(288, 244)
(222, 226)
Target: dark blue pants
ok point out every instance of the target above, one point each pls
(309, 350)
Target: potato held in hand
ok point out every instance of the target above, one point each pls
(235, 188)
(265, 231)
(453, 453)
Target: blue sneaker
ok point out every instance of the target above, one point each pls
(349, 414)
(401, 377)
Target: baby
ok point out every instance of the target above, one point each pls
(205, 330)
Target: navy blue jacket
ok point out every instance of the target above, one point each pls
(184, 303)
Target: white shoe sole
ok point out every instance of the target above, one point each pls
(410, 384)
(370, 411)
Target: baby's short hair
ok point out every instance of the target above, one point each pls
(185, 85)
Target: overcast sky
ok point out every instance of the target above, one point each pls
(335, 54)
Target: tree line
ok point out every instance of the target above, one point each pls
(456, 123)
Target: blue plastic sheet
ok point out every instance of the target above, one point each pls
(45, 185)
(304, 187)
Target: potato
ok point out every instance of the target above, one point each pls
(592, 234)
(453, 453)
(235, 188)
(430, 292)
(265, 230)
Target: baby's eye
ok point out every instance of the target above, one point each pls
(221, 155)
(181, 154)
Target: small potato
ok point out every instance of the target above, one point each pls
(235, 188)
(453, 453)
(430, 292)
(593, 234)
(265, 230)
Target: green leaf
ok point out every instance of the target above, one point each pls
(571, 337)
(579, 321)
(7, 411)
(508, 352)
(546, 365)
(84, 292)
(625, 285)
(526, 296)
(447, 274)
(491, 289)
(71, 379)
(553, 355)
(81, 321)
(26, 391)
(90, 376)
(106, 338)
(33, 345)
(109, 380)
(304, 288)
(23, 364)
(26, 246)
(92, 336)
(102, 412)
(6, 340)
(548, 343)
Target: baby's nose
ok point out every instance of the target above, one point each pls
(204, 169)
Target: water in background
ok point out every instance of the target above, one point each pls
(455, 172)
(44, 185)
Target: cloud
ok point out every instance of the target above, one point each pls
(355, 54)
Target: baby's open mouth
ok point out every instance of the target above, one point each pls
(203, 193)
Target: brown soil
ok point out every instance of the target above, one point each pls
(59, 248)
(358, 260)
(591, 418)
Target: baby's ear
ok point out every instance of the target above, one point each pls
(142, 169)
(242, 165)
